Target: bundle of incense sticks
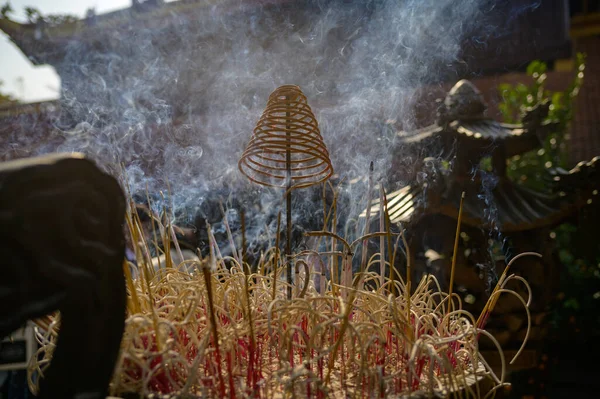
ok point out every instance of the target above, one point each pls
(222, 328)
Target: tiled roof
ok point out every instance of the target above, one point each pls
(584, 176)
(541, 32)
(44, 107)
(509, 206)
(516, 138)
(485, 129)
(28, 129)
(488, 129)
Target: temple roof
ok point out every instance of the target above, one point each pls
(585, 176)
(516, 138)
(29, 129)
(499, 202)
(506, 205)
(488, 129)
(43, 107)
(42, 42)
(461, 115)
(540, 32)
(141, 13)
(484, 129)
(510, 207)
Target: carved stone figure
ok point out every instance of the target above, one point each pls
(62, 248)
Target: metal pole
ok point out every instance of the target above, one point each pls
(288, 205)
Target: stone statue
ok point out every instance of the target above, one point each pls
(62, 248)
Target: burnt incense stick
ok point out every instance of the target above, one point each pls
(213, 243)
(408, 283)
(391, 251)
(244, 244)
(170, 236)
(133, 303)
(493, 299)
(213, 321)
(153, 223)
(335, 273)
(363, 262)
(450, 304)
(276, 259)
(251, 352)
(224, 332)
(321, 342)
(234, 250)
(382, 239)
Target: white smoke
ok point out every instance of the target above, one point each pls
(176, 99)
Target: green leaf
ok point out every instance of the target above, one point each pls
(536, 68)
(505, 88)
(571, 303)
(6, 10)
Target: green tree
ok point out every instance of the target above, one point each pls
(577, 247)
(531, 167)
(34, 15)
(575, 317)
(6, 10)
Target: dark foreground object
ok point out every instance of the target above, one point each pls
(62, 248)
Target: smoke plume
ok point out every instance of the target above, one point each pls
(174, 92)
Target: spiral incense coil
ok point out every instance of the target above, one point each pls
(286, 143)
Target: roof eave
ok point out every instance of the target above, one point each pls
(29, 38)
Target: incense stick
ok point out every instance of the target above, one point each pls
(318, 343)
(455, 254)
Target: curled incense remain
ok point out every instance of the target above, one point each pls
(315, 343)
(286, 150)
(286, 144)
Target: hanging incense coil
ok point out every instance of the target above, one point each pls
(286, 143)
